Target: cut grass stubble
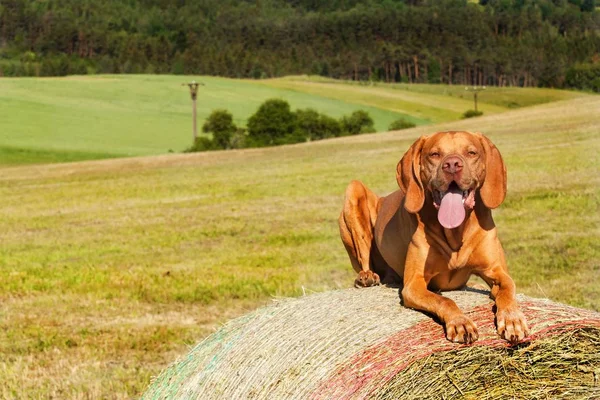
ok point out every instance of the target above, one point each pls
(111, 268)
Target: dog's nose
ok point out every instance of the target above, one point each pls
(452, 165)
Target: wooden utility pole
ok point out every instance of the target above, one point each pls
(193, 85)
(475, 90)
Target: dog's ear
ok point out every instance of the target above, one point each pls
(493, 190)
(408, 175)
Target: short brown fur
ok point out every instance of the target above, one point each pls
(398, 237)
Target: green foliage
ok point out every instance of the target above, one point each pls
(202, 143)
(329, 127)
(400, 124)
(471, 114)
(238, 139)
(220, 124)
(307, 123)
(584, 76)
(358, 122)
(273, 123)
(588, 5)
(225, 134)
(504, 43)
(434, 72)
(315, 126)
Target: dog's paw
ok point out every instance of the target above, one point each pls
(512, 325)
(366, 279)
(461, 330)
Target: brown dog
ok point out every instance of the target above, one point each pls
(436, 231)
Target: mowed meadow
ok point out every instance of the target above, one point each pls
(112, 268)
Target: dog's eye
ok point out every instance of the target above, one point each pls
(472, 153)
(435, 154)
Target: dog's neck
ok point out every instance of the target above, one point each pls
(454, 237)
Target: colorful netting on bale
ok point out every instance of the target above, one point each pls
(361, 343)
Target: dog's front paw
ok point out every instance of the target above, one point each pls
(461, 330)
(512, 325)
(366, 279)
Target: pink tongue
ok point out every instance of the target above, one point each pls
(452, 211)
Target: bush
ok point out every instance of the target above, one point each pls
(238, 139)
(295, 137)
(225, 135)
(274, 124)
(220, 124)
(358, 122)
(314, 126)
(307, 123)
(584, 76)
(329, 127)
(57, 65)
(271, 124)
(471, 114)
(400, 124)
(202, 143)
(106, 65)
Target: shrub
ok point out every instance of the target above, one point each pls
(358, 122)
(584, 76)
(295, 137)
(220, 124)
(329, 127)
(400, 124)
(57, 65)
(225, 135)
(471, 114)
(307, 123)
(238, 139)
(202, 143)
(271, 123)
(314, 126)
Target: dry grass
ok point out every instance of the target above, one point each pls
(110, 268)
(371, 347)
(423, 107)
(564, 366)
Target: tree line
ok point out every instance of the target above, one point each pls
(274, 123)
(551, 43)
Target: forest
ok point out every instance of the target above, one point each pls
(546, 43)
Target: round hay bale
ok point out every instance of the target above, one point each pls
(361, 343)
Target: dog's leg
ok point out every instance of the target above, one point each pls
(415, 294)
(356, 229)
(510, 321)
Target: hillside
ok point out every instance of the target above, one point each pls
(124, 115)
(137, 258)
(529, 43)
(92, 117)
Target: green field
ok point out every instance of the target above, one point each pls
(113, 116)
(111, 269)
(504, 97)
(92, 117)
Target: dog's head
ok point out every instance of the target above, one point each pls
(448, 168)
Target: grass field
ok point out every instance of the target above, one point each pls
(112, 116)
(112, 268)
(93, 117)
(503, 97)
